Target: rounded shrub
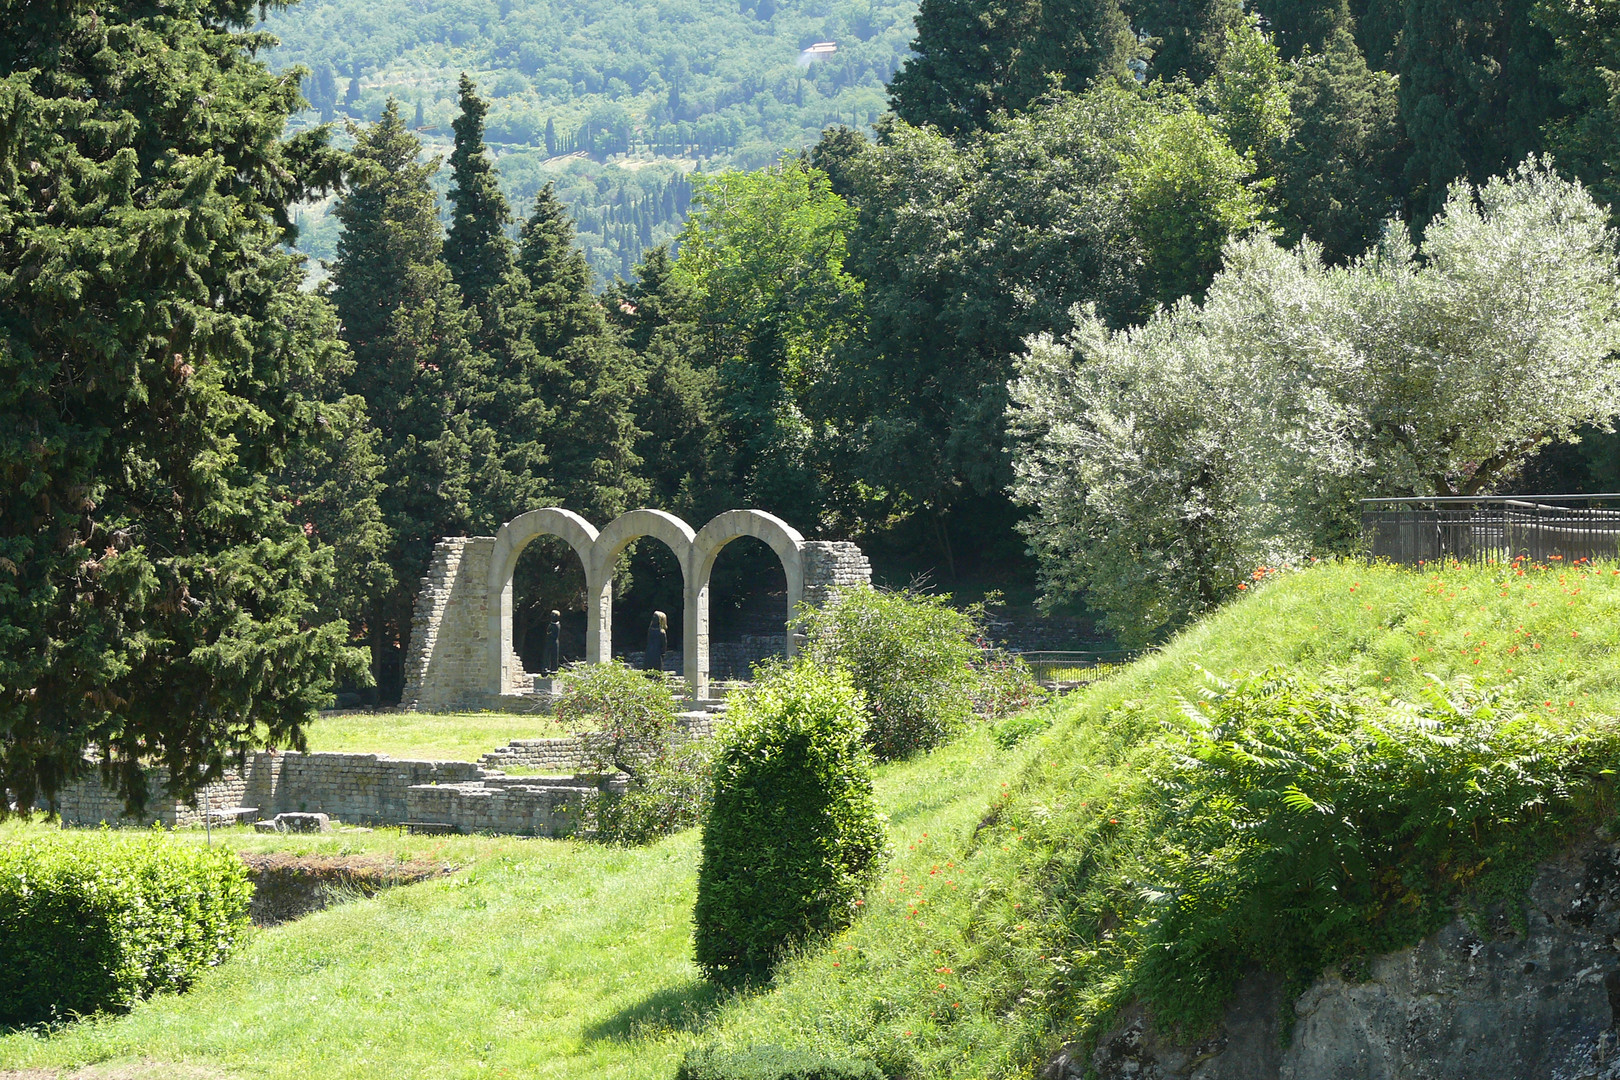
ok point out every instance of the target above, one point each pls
(793, 835)
(913, 657)
(95, 923)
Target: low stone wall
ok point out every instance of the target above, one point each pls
(376, 789)
(355, 788)
(522, 809)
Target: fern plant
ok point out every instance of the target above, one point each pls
(1309, 824)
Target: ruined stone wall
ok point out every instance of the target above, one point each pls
(358, 788)
(376, 789)
(1532, 997)
(448, 663)
(567, 754)
(830, 565)
(447, 658)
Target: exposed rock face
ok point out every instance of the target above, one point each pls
(1459, 1006)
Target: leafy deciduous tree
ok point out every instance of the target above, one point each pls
(1165, 462)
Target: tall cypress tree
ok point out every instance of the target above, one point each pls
(157, 593)
(584, 373)
(972, 58)
(413, 363)
(476, 248)
(482, 261)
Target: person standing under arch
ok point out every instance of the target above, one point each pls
(657, 637)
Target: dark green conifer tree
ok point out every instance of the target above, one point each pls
(1186, 37)
(476, 247)
(483, 263)
(1586, 137)
(1339, 178)
(414, 365)
(158, 597)
(584, 374)
(973, 58)
(1476, 91)
(681, 443)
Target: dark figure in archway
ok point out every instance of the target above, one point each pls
(657, 635)
(551, 645)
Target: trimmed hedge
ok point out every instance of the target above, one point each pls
(95, 923)
(772, 1063)
(793, 836)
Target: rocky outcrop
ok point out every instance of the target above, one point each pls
(1465, 1004)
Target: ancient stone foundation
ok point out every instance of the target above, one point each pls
(1503, 999)
(460, 655)
(371, 789)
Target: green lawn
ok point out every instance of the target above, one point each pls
(427, 736)
(541, 958)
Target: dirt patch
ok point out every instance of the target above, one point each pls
(287, 887)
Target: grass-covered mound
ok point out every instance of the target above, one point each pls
(536, 958)
(1419, 740)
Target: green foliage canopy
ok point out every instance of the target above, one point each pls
(95, 923)
(1166, 462)
(912, 656)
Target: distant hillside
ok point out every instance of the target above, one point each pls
(614, 100)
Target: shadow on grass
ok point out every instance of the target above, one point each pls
(687, 1007)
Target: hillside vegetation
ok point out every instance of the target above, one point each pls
(613, 100)
(1030, 890)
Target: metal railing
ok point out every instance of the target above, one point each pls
(1076, 668)
(1498, 528)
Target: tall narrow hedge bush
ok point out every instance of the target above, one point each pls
(94, 923)
(793, 835)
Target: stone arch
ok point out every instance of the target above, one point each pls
(670, 530)
(514, 536)
(784, 540)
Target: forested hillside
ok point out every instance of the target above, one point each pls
(612, 100)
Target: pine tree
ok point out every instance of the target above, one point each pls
(476, 248)
(973, 58)
(158, 597)
(414, 365)
(584, 373)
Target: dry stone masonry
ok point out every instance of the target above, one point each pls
(1531, 998)
(368, 789)
(461, 654)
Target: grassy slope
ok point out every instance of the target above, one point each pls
(542, 958)
(950, 973)
(1080, 818)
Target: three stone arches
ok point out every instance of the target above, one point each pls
(461, 652)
